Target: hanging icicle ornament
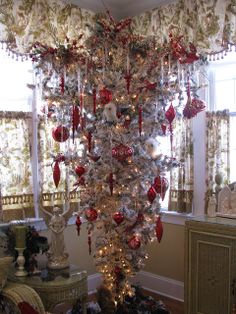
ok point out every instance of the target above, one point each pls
(56, 168)
(78, 223)
(60, 133)
(159, 229)
(170, 115)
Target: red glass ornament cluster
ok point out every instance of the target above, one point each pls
(160, 186)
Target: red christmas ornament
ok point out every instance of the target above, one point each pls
(56, 173)
(91, 214)
(105, 95)
(193, 107)
(161, 185)
(151, 194)
(122, 152)
(78, 224)
(60, 133)
(170, 114)
(118, 217)
(134, 243)
(79, 170)
(159, 229)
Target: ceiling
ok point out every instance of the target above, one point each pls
(120, 8)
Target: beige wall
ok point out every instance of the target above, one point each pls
(165, 258)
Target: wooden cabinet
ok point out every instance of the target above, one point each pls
(210, 265)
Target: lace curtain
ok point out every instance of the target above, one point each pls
(15, 166)
(181, 178)
(217, 149)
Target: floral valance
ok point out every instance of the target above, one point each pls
(210, 25)
(24, 22)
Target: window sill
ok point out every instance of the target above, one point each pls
(39, 223)
(175, 218)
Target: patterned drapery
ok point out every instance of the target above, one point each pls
(210, 25)
(24, 22)
(181, 178)
(15, 166)
(217, 149)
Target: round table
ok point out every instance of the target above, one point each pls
(61, 289)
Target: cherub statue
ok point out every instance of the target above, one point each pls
(57, 222)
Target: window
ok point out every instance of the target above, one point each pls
(15, 75)
(222, 96)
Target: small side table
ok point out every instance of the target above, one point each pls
(60, 290)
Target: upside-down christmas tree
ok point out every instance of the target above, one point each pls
(115, 93)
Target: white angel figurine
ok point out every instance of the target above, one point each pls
(56, 223)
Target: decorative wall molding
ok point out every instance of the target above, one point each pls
(158, 284)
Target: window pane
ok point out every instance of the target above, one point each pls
(225, 95)
(15, 75)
